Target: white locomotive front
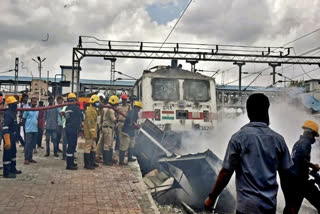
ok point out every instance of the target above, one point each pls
(177, 99)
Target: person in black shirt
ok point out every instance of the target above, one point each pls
(74, 118)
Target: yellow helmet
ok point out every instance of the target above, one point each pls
(94, 98)
(308, 124)
(11, 100)
(113, 100)
(71, 96)
(138, 104)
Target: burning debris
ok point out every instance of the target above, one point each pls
(178, 179)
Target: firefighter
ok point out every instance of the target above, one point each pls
(299, 186)
(90, 132)
(108, 123)
(123, 109)
(128, 133)
(9, 137)
(73, 117)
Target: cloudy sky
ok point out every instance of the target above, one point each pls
(25, 23)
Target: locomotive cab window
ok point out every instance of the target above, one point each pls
(165, 89)
(196, 90)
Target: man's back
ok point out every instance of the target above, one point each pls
(256, 153)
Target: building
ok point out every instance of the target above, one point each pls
(313, 88)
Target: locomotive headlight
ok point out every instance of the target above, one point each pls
(181, 104)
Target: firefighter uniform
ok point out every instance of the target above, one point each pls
(90, 132)
(124, 109)
(73, 116)
(299, 186)
(108, 125)
(9, 136)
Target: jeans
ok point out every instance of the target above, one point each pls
(40, 134)
(31, 141)
(18, 135)
(51, 133)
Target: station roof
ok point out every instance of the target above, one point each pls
(27, 80)
(250, 88)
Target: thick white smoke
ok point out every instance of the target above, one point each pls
(286, 118)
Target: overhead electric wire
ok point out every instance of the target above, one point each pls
(7, 71)
(301, 37)
(309, 51)
(173, 28)
(301, 65)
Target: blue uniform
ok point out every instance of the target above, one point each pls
(299, 186)
(9, 155)
(256, 153)
(74, 118)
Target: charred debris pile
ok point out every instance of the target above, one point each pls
(178, 179)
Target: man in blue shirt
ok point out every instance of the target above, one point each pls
(30, 121)
(256, 153)
(299, 186)
(51, 118)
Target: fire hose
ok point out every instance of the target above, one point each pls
(61, 105)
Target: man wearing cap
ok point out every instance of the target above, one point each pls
(9, 137)
(299, 186)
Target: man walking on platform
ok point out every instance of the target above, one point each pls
(74, 118)
(9, 137)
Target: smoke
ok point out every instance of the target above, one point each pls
(286, 117)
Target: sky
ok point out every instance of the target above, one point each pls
(50, 29)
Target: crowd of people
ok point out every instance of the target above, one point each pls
(102, 122)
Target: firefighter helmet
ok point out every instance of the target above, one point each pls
(94, 98)
(11, 100)
(71, 96)
(138, 104)
(308, 124)
(113, 100)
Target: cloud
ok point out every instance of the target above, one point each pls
(23, 24)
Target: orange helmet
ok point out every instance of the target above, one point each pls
(308, 124)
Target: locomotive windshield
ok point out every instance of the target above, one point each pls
(165, 89)
(196, 90)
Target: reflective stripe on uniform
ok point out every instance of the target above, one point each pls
(6, 162)
(69, 155)
(5, 127)
(13, 159)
